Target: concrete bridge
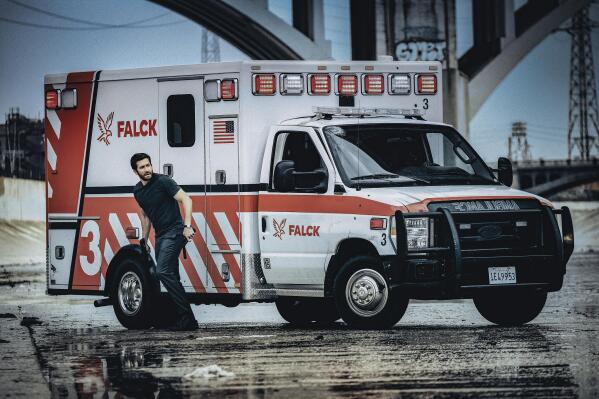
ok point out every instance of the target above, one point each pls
(546, 178)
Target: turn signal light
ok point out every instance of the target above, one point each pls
(228, 89)
(265, 84)
(347, 85)
(373, 84)
(426, 84)
(320, 84)
(53, 99)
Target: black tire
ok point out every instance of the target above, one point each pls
(384, 313)
(303, 311)
(133, 308)
(514, 309)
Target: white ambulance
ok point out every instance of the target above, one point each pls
(332, 189)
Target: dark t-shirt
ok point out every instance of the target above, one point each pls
(156, 199)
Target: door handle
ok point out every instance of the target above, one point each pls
(220, 177)
(168, 169)
(264, 224)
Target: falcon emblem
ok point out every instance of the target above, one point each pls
(279, 228)
(104, 126)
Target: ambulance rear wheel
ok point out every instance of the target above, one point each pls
(511, 310)
(132, 294)
(363, 296)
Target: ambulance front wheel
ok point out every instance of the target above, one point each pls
(131, 295)
(363, 296)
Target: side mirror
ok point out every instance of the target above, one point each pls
(283, 178)
(504, 171)
(314, 181)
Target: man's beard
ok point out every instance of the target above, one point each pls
(145, 177)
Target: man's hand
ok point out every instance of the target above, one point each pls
(188, 232)
(144, 244)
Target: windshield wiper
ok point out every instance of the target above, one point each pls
(375, 176)
(387, 176)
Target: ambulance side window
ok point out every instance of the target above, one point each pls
(299, 148)
(181, 125)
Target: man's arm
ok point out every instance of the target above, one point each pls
(146, 225)
(184, 199)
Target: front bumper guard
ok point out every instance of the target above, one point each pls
(452, 253)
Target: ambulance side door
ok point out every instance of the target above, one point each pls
(295, 227)
(183, 157)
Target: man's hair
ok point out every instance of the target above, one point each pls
(139, 157)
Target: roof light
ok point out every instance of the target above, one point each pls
(292, 84)
(212, 90)
(320, 84)
(367, 111)
(265, 84)
(53, 99)
(68, 98)
(399, 83)
(373, 84)
(347, 85)
(426, 84)
(228, 89)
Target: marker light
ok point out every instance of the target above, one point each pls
(347, 85)
(378, 224)
(399, 84)
(212, 90)
(265, 84)
(228, 89)
(426, 84)
(292, 84)
(320, 84)
(53, 99)
(373, 84)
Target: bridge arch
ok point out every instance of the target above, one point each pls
(565, 182)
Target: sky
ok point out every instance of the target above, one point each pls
(535, 92)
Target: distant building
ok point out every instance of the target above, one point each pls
(22, 147)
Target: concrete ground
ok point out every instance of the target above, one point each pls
(64, 347)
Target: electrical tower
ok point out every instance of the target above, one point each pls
(583, 117)
(518, 147)
(210, 47)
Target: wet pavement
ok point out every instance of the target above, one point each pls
(64, 347)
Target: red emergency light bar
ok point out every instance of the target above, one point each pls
(228, 89)
(347, 85)
(426, 84)
(265, 84)
(53, 99)
(320, 84)
(373, 84)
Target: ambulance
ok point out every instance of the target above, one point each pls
(332, 189)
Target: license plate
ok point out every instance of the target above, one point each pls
(502, 275)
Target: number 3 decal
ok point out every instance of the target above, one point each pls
(384, 239)
(425, 103)
(91, 268)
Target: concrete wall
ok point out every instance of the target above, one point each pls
(22, 199)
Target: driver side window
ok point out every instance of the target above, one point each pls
(299, 152)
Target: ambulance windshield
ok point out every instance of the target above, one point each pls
(378, 155)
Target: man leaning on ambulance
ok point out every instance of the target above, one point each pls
(159, 197)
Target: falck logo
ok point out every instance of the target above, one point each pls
(279, 228)
(104, 126)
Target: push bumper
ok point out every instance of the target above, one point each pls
(449, 271)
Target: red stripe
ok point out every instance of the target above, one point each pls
(221, 242)
(209, 262)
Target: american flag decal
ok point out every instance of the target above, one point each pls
(223, 131)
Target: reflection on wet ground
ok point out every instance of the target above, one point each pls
(438, 349)
(282, 362)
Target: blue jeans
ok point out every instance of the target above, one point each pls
(168, 248)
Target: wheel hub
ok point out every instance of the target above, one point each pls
(366, 292)
(130, 293)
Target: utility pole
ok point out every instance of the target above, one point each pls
(583, 116)
(210, 47)
(518, 147)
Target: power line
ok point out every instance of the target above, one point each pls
(67, 28)
(83, 21)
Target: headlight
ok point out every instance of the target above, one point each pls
(417, 232)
